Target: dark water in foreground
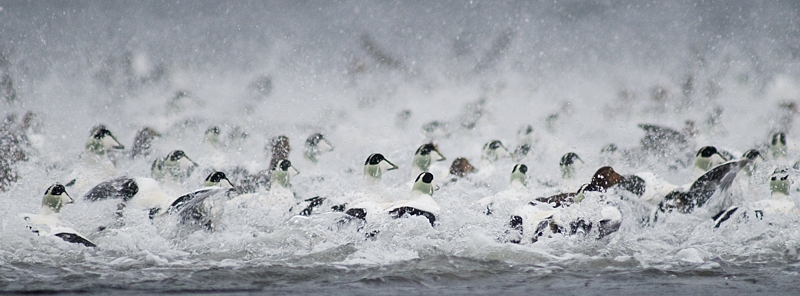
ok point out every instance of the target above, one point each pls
(436, 275)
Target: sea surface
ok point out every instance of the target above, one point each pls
(386, 77)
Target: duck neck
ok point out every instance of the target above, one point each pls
(280, 178)
(518, 181)
(95, 147)
(779, 188)
(422, 188)
(422, 163)
(51, 204)
(372, 174)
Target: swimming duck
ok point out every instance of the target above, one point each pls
(493, 151)
(140, 192)
(48, 222)
(461, 167)
(176, 166)
(610, 154)
(778, 145)
(707, 158)
(280, 195)
(373, 200)
(212, 138)
(779, 203)
(510, 197)
(279, 149)
(202, 207)
(525, 142)
(422, 158)
(756, 158)
(664, 139)
(95, 164)
(143, 142)
(568, 165)
(534, 219)
(316, 144)
(421, 202)
(667, 197)
(603, 179)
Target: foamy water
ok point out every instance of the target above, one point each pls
(583, 74)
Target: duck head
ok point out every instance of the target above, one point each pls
(519, 176)
(374, 167)
(142, 142)
(212, 136)
(422, 158)
(54, 198)
(176, 165)
(778, 145)
(423, 185)
(779, 182)
(282, 173)
(217, 179)
(494, 150)
(707, 158)
(101, 140)
(316, 144)
(567, 165)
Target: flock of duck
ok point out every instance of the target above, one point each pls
(584, 207)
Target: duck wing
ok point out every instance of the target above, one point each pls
(122, 187)
(558, 200)
(718, 178)
(659, 137)
(70, 236)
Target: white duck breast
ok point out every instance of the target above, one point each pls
(421, 202)
(48, 222)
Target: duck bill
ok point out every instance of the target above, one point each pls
(325, 145)
(111, 142)
(504, 152)
(441, 157)
(186, 162)
(193, 163)
(296, 172)
(225, 183)
(393, 167)
(67, 199)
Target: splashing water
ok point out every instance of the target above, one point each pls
(369, 76)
